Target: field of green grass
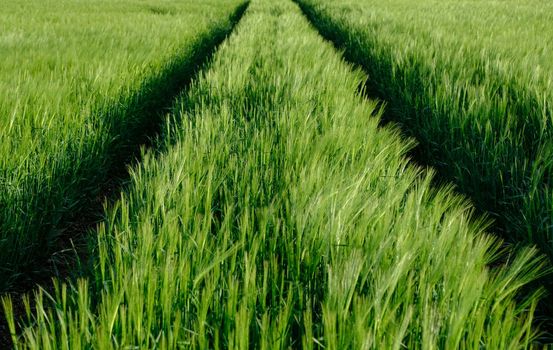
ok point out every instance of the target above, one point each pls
(275, 212)
(472, 81)
(232, 180)
(81, 83)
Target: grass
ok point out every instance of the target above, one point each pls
(81, 84)
(279, 215)
(471, 80)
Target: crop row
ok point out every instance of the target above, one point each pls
(81, 84)
(279, 215)
(472, 81)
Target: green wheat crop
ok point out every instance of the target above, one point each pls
(473, 82)
(278, 215)
(79, 85)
